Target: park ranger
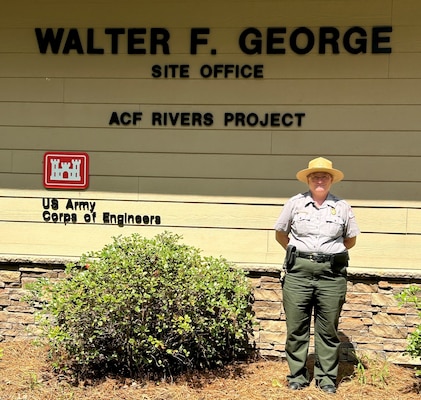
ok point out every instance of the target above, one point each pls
(316, 229)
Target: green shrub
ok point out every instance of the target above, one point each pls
(412, 296)
(146, 306)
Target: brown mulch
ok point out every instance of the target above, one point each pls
(26, 375)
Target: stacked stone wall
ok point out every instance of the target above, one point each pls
(371, 322)
(17, 318)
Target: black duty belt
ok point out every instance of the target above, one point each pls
(315, 257)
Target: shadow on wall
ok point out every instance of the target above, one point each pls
(232, 187)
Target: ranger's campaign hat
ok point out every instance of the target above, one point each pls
(320, 164)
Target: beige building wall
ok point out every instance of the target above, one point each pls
(218, 183)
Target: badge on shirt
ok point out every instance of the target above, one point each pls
(333, 211)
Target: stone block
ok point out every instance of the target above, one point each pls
(17, 294)
(4, 316)
(13, 285)
(272, 313)
(263, 303)
(267, 295)
(399, 287)
(20, 308)
(401, 358)
(358, 298)
(27, 281)
(351, 333)
(395, 344)
(387, 331)
(365, 339)
(271, 286)
(19, 318)
(387, 319)
(396, 310)
(380, 299)
(255, 282)
(271, 338)
(18, 331)
(273, 326)
(412, 320)
(280, 347)
(5, 326)
(4, 299)
(356, 314)
(269, 280)
(357, 307)
(9, 276)
(385, 285)
(370, 354)
(265, 346)
(364, 288)
(34, 270)
(371, 346)
(354, 323)
(270, 353)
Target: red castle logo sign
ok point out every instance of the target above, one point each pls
(66, 170)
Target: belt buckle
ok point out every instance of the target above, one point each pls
(314, 257)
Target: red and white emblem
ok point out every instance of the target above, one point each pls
(66, 170)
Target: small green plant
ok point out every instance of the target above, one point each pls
(412, 296)
(1, 354)
(360, 370)
(146, 306)
(371, 371)
(33, 380)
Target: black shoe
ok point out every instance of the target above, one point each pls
(296, 386)
(329, 389)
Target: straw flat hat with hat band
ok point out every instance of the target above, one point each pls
(320, 164)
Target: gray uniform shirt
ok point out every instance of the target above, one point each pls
(313, 229)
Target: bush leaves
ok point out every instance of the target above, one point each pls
(146, 306)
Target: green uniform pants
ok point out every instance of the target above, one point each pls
(314, 286)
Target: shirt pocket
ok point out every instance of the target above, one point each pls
(333, 227)
(302, 224)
